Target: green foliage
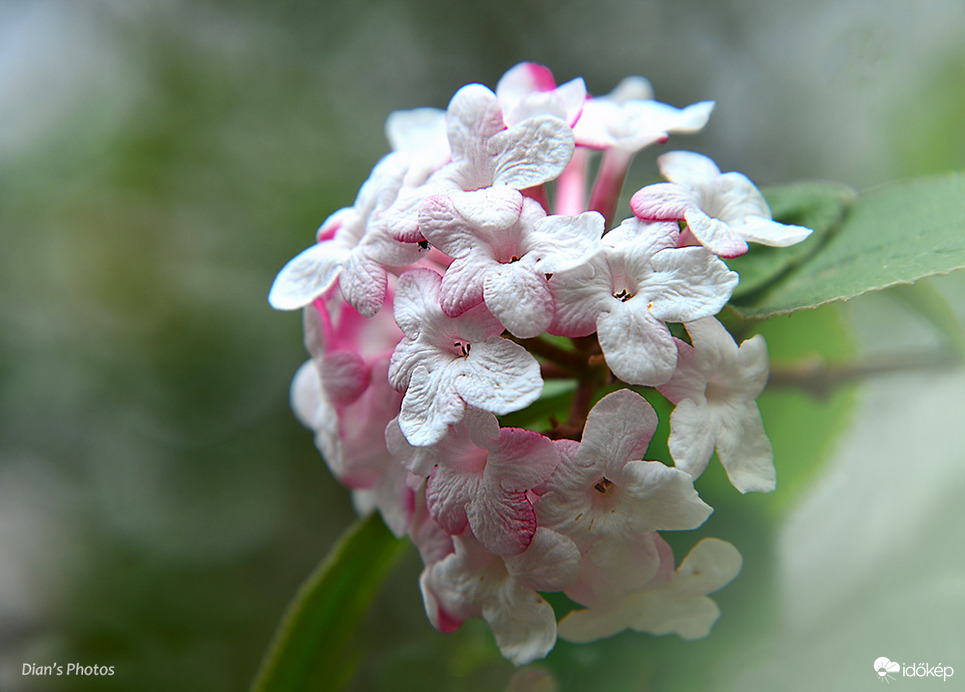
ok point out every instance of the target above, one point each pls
(311, 648)
(892, 235)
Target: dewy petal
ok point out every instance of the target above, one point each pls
(638, 347)
(692, 437)
(531, 153)
(745, 451)
(498, 376)
(307, 276)
(429, 407)
(519, 297)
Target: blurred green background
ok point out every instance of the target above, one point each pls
(160, 161)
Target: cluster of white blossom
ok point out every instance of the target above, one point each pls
(481, 258)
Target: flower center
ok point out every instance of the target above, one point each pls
(603, 485)
(461, 347)
(623, 295)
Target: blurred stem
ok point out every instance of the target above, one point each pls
(820, 378)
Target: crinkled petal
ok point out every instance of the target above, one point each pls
(503, 521)
(560, 243)
(456, 223)
(364, 284)
(744, 449)
(519, 297)
(472, 119)
(687, 284)
(430, 405)
(581, 294)
(462, 284)
(499, 376)
(447, 494)
(307, 276)
(417, 301)
(637, 346)
(664, 498)
(531, 153)
(410, 354)
(618, 428)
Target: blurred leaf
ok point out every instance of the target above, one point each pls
(311, 645)
(928, 302)
(818, 205)
(892, 235)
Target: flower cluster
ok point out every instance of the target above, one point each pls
(480, 259)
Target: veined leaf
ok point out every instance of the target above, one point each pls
(818, 205)
(310, 648)
(892, 235)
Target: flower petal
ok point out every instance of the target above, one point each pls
(637, 346)
(531, 153)
(519, 297)
(745, 450)
(499, 376)
(307, 275)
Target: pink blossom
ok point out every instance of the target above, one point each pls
(479, 476)
(472, 582)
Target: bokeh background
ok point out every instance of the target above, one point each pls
(160, 161)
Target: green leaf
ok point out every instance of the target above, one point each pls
(818, 205)
(310, 650)
(892, 235)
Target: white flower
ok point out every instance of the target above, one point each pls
(529, 89)
(715, 388)
(723, 211)
(674, 605)
(444, 364)
(629, 291)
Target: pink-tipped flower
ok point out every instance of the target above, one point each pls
(723, 211)
(529, 89)
(472, 582)
(480, 476)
